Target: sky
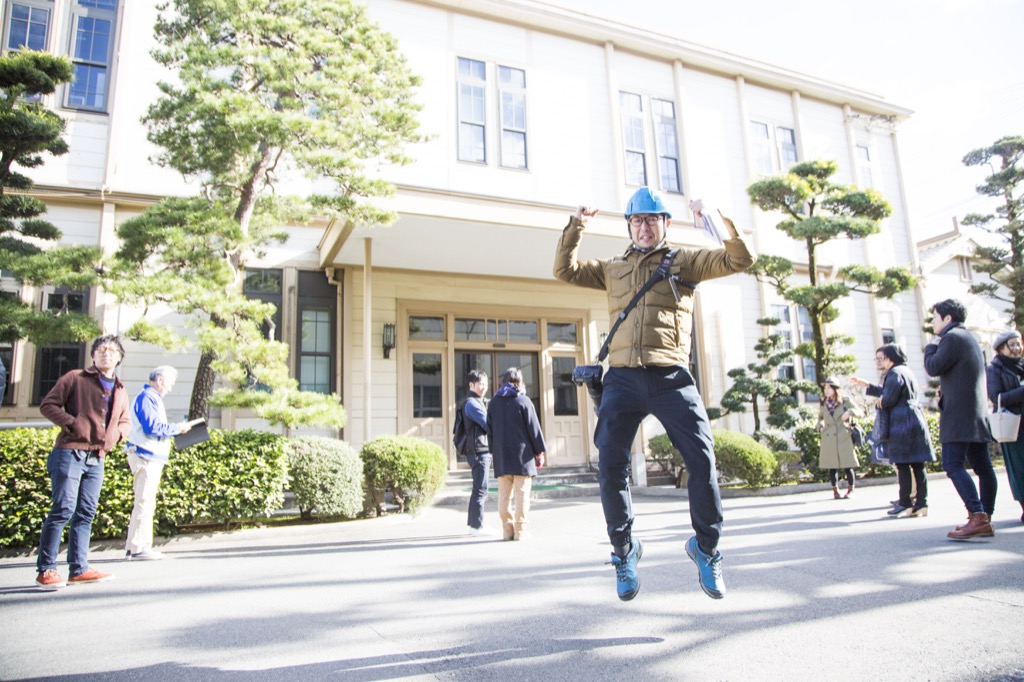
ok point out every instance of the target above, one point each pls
(958, 64)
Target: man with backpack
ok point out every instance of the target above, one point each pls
(650, 292)
(470, 438)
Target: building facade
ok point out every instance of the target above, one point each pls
(531, 110)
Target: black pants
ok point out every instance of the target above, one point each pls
(834, 477)
(903, 473)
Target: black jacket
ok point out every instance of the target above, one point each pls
(957, 360)
(515, 435)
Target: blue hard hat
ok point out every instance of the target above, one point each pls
(646, 201)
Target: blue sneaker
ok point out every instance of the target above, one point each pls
(709, 570)
(628, 582)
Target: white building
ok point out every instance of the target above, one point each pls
(532, 110)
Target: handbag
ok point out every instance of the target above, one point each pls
(857, 435)
(1003, 423)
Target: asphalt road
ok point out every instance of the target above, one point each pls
(819, 589)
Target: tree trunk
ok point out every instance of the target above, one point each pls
(202, 389)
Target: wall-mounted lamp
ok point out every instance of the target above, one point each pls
(388, 339)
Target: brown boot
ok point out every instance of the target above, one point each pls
(977, 526)
(835, 493)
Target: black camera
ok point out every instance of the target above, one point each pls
(590, 376)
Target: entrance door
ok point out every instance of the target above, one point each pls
(565, 432)
(428, 399)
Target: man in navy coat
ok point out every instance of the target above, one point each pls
(955, 357)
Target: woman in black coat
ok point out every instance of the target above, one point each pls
(1004, 375)
(904, 429)
(518, 448)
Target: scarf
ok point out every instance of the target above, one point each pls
(831, 404)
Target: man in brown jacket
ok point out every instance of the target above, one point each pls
(91, 407)
(648, 373)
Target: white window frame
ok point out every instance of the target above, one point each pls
(649, 128)
(82, 11)
(666, 140)
(865, 166)
(963, 264)
(470, 85)
(41, 5)
(772, 147)
(512, 117)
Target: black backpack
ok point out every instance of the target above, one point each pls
(464, 445)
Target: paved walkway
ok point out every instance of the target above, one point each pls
(818, 590)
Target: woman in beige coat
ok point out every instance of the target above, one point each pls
(834, 421)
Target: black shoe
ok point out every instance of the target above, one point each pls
(898, 510)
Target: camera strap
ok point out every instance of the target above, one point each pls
(663, 272)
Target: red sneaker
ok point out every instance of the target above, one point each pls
(49, 580)
(90, 576)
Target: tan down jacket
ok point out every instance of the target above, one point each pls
(657, 331)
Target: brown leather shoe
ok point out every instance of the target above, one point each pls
(90, 576)
(977, 526)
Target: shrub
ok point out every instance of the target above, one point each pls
(784, 461)
(326, 475)
(663, 451)
(741, 457)
(413, 469)
(808, 442)
(235, 475)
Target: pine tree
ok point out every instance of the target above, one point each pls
(818, 211)
(30, 247)
(1003, 264)
(267, 91)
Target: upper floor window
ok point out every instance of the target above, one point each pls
(632, 112)
(27, 25)
(667, 144)
(472, 110)
(475, 105)
(512, 94)
(649, 118)
(92, 24)
(774, 148)
(867, 179)
(91, 51)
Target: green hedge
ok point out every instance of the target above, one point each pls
(326, 475)
(234, 476)
(413, 469)
(743, 458)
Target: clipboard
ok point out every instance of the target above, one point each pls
(199, 433)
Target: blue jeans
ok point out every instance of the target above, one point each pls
(668, 393)
(76, 479)
(481, 466)
(954, 456)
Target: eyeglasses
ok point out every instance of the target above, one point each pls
(108, 349)
(880, 358)
(638, 220)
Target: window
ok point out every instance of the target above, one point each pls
(566, 392)
(773, 148)
(784, 328)
(562, 332)
(265, 285)
(668, 146)
(91, 52)
(426, 328)
(806, 335)
(52, 362)
(472, 83)
(316, 305)
(887, 326)
(426, 385)
(7, 358)
(28, 25)
(867, 179)
(964, 265)
(632, 113)
(512, 95)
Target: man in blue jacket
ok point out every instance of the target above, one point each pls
(478, 455)
(149, 445)
(955, 357)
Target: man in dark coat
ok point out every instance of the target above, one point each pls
(955, 357)
(478, 456)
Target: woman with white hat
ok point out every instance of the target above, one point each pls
(1004, 375)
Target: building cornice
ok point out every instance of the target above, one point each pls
(533, 14)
